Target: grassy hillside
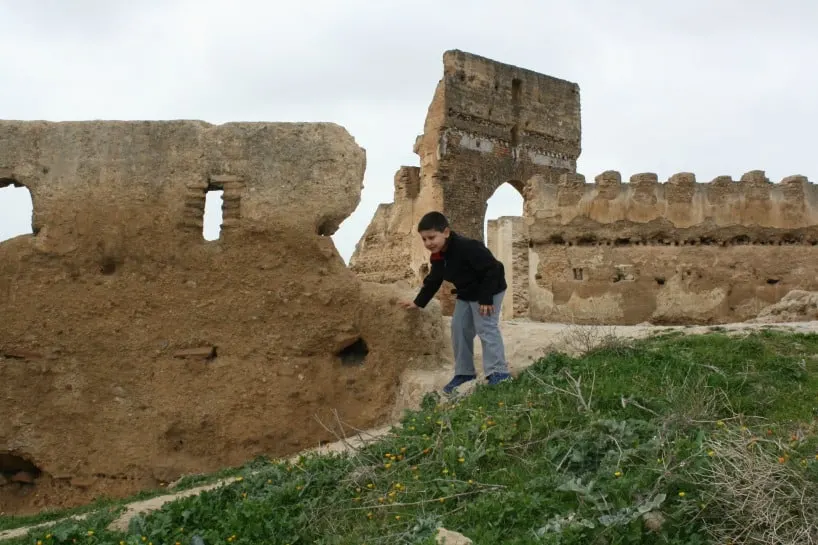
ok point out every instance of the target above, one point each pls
(674, 439)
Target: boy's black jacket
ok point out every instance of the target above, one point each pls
(476, 274)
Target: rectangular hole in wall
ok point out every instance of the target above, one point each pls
(16, 209)
(577, 274)
(516, 90)
(213, 214)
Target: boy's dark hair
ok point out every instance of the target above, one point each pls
(433, 221)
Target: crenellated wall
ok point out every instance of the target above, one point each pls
(672, 252)
(679, 211)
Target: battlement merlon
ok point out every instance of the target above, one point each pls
(681, 202)
(165, 169)
(489, 100)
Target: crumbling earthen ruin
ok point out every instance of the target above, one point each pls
(603, 252)
(488, 124)
(133, 351)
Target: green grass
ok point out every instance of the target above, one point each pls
(11, 522)
(14, 521)
(674, 439)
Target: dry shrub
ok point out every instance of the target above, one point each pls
(584, 339)
(753, 496)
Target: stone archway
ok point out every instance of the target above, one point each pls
(507, 239)
(506, 236)
(489, 124)
(507, 200)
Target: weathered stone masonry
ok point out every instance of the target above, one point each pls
(612, 252)
(674, 252)
(488, 124)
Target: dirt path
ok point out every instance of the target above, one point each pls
(525, 341)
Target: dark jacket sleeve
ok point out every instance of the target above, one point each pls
(486, 266)
(431, 284)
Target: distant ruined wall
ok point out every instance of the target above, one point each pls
(606, 252)
(133, 351)
(674, 252)
(507, 239)
(489, 123)
(387, 242)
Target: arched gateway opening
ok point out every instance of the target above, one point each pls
(504, 234)
(506, 201)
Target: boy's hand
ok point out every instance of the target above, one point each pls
(486, 310)
(408, 304)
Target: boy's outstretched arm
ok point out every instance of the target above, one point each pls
(431, 284)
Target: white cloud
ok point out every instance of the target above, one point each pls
(708, 87)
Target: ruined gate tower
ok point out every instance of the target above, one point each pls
(488, 124)
(616, 250)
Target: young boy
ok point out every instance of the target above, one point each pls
(480, 285)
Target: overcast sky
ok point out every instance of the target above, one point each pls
(708, 86)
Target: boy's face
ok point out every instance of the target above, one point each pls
(435, 240)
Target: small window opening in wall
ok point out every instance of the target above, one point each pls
(578, 274)
(515, 135)
(516, 90)
(108, 265)
(660, 280)
(773, 281)
(327, 227)
(355, 353)
(16, 209)
(212, 223)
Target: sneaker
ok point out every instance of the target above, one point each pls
(496, 378)
(457, 381)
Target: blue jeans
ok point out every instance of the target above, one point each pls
(466, 322)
